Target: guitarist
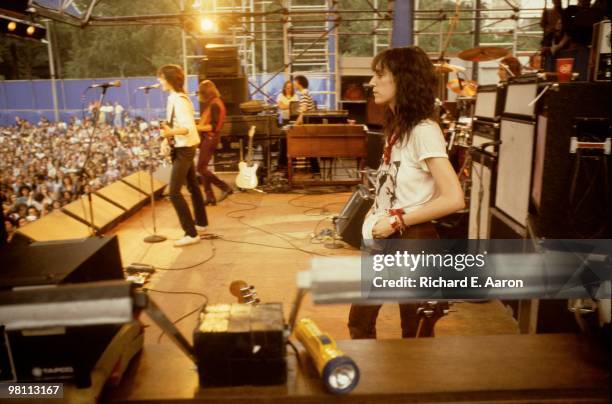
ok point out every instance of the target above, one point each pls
(210, 125)
(180, 130)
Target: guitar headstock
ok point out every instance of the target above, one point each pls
(252, 131)
(244, 292)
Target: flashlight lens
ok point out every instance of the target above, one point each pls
(341, 375)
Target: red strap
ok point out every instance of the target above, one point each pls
(389, 148)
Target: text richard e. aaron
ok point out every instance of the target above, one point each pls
(408, 270)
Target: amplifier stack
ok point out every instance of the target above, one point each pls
(515, 161)
(221, 65)
(488, 109)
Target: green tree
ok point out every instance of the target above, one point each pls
(133, 50)
(22, 59)
(429, 37)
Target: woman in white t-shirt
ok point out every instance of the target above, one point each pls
(284, 100)
(415, 182)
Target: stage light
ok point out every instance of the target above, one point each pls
(207, 25)
(22, 29)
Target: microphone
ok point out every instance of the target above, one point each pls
(149, 87)
(115, 83)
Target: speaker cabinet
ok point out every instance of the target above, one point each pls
(572, 166)
(57, 262)
(234, 90)
(503, 227)
(482, 193)
(601, 53)
(514, 169)
(490, 101)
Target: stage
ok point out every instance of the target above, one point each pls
(265, 239)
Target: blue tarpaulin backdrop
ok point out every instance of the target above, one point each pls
(32, 99)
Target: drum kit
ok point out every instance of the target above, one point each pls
(461, 86)
(459, 128)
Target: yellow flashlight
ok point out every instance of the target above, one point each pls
(340, 373)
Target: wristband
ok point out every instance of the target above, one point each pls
(397, 219)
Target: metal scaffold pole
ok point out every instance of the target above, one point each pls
(52, 71)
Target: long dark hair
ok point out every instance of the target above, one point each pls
(174, 75)
(415, 84)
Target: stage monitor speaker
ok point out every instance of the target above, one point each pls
(58, 262)
(141, 180)
(482, 193)
(105, 213)
(55, 226)
(123, 195)
(572, 164)
(352, 215)
(61, 353)
(514, 169)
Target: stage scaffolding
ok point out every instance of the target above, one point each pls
(311, 35)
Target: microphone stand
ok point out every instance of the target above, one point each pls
(153, 238)
(83, 173)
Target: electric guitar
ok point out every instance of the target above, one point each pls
(167, 146)
(244, 292)
(247, 177)
(429, 312)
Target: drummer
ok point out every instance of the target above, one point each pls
(509, 66)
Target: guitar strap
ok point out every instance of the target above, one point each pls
(171, 122)
(171, 140)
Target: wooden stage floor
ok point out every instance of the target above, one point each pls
(265, 239)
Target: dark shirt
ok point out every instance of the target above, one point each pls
(215, 113)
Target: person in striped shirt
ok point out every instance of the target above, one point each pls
(306, 101)
(306, 104)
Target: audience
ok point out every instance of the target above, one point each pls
(40, 164)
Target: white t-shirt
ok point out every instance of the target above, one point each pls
(183, 118)
(286, 100)
(406, 181)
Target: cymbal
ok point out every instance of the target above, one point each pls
(483, 54)
(447, 68)
(466, 89)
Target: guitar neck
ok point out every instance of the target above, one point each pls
(249, 159)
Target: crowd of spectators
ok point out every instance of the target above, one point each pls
(41, 166)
